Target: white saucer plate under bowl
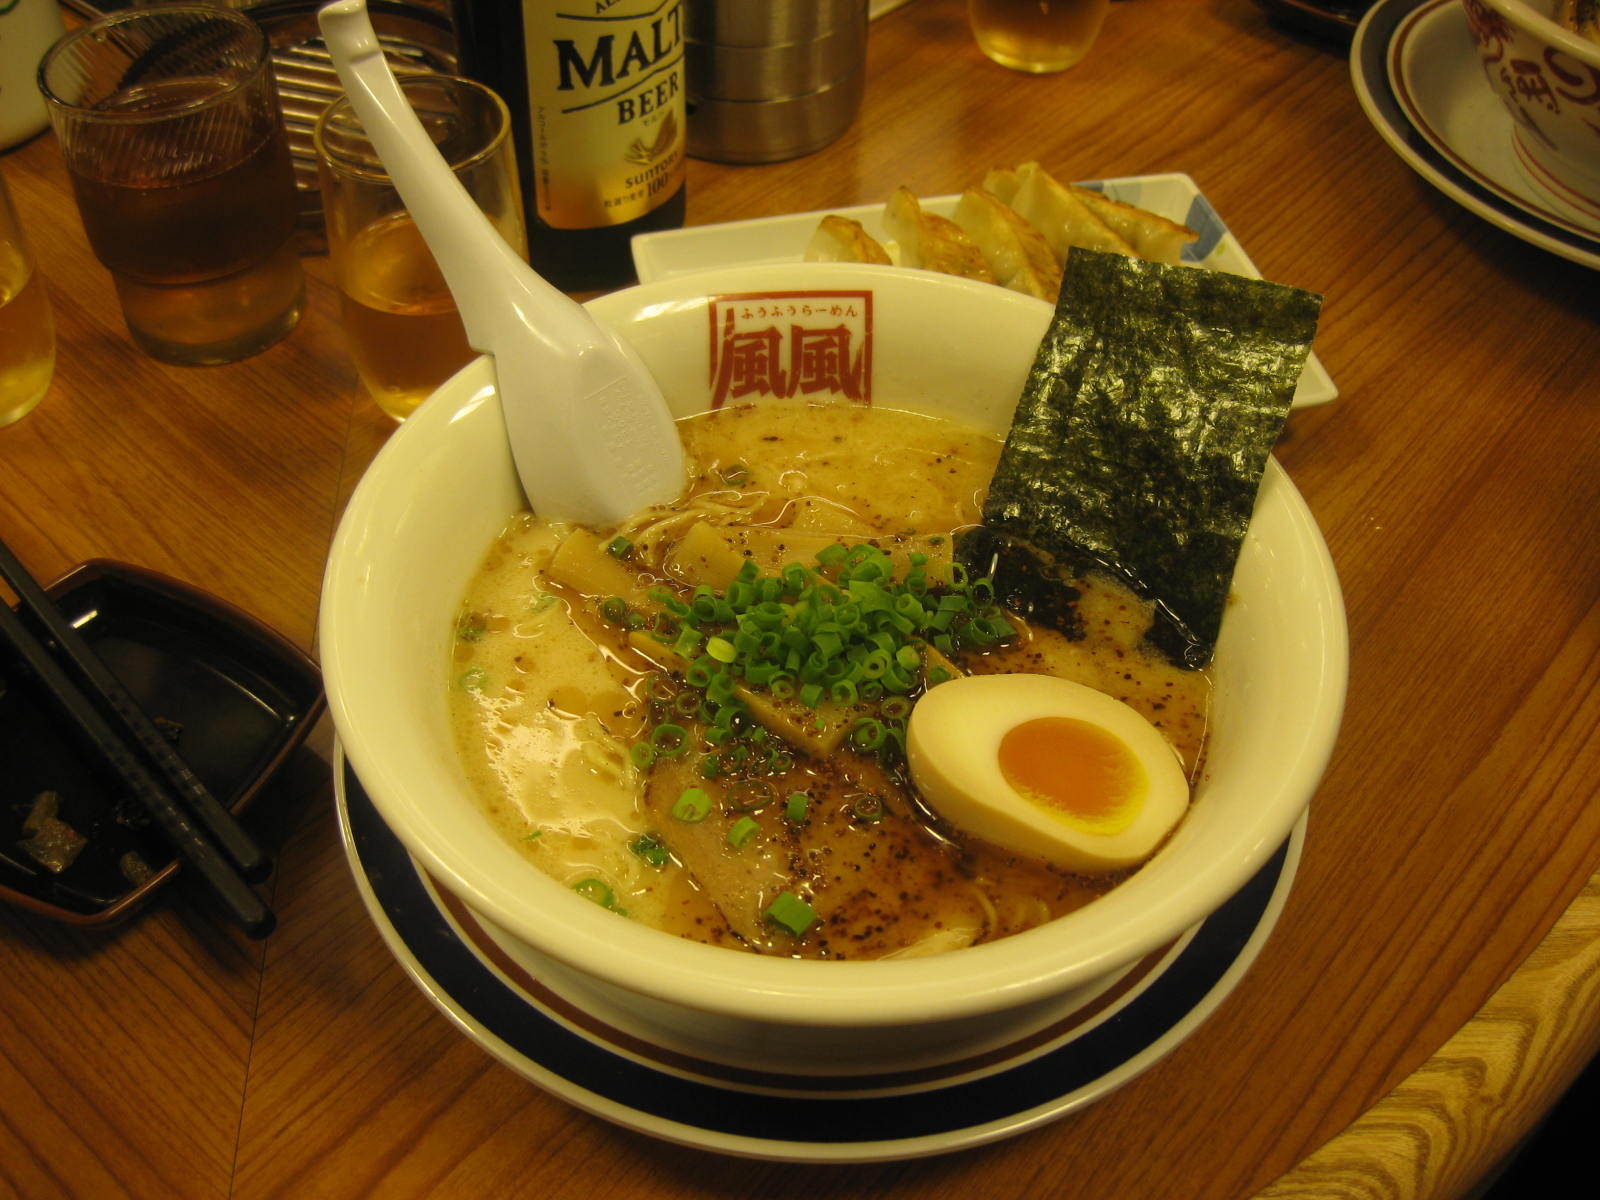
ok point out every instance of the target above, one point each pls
(596, 1061)
(1417, 76)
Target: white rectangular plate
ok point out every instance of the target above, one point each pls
(783, 240)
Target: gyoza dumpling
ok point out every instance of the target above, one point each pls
(1150, 234)
(930, 241)
(1016, 252)
(839, 239)
(1003, 182)
(1060, 216)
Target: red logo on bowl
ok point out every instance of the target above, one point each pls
(1532, 83)
(791, 345)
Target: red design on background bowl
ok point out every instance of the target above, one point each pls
(1548, 77)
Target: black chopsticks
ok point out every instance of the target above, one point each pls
(203, 832)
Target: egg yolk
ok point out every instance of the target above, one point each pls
(1075, 771)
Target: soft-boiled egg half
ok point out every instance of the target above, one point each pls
(1046, 767)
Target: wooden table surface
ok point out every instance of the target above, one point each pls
(1432, 983)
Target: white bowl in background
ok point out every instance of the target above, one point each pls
(1548, 78)
(444, 486)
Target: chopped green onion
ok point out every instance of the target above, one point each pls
(597, 890)
(649, 849)
(692, 805)
(720, 688)
(614, 610)
(620, 547)
(642, 755)
(833, 556)
(795, 578)
(866, 734)
(471, 627)
(793, 913)
(844, 633)
(472, 680)
(796, 806)
(742, 831)
(669, 740)
(867, 808)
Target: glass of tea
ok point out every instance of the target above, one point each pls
(169, 123)
(27, 333)
(1038, 36)
(400, 321)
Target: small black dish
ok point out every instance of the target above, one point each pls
(236, 698)
(1335, 19)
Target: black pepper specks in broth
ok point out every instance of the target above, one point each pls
(558, 697)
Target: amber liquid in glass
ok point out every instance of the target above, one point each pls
(27, 337)
(204, 263)
(405, 335)
(1036, 35)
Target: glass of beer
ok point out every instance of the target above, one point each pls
(168, 120)
(1037, 36)
(400, 321)
(27, 333)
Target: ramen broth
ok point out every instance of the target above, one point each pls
(552, 692)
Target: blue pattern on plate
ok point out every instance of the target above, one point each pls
(782, 1125)
(1201, 217)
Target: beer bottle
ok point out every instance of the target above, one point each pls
(597, 111)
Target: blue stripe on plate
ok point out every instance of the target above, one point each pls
(836, 1118)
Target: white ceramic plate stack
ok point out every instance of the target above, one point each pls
(1417, 75)
(544, 1025)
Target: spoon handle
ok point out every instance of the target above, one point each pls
(588, 427)
(465, 244)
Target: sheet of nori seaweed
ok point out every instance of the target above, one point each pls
(1140, 440)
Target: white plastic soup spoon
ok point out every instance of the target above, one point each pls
(589, 430)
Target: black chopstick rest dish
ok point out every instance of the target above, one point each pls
(126, 716)
(157, 800)
(90, 826)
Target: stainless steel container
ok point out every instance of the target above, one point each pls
(772, 79)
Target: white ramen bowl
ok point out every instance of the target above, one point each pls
(423, 518)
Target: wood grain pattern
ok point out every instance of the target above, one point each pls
(1483, 1091)
(1433, 980)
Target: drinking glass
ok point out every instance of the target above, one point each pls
(1037, 36)
(27, 333)
(400, 321)
(168, 120)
